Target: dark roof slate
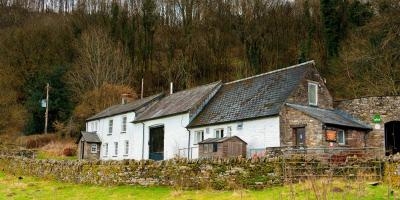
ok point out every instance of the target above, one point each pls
(219, 140)
(179, 102)
(124, 108)
(333, 117)
(90, 137)
(258, 96)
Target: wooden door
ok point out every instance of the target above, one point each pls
(156, 143)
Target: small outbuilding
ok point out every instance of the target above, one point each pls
(89, 145)
(225, 147)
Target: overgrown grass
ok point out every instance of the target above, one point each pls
(11, 187)
(45, 155)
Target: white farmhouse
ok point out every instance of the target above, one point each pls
(286, 107)
(114, 130)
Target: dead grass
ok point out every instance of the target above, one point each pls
(56, 148)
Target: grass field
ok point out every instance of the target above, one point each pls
(11, 187)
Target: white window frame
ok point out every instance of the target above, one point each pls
(110, 126)
(126, 148)
(124, 123)
(115, 148)
(344, 137)
(219, 133)
(198, 136)
(93, 148)
(312, 85)
(105, 149)
(229, 131)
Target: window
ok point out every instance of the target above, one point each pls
(95, 126)
(93, 148)
(198, 137)
(126, 147)
(229, 131)
(123, 124)
(341, 138)
(110, 126)
(215, 147)
(116, 148)
(240, 126)
(313, 94)
(106, 149)
(219, 133)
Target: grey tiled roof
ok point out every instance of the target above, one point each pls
(124, 108)
(90, 137)
(219, 140)
(253, 97)
(333, 117)
(179, 102)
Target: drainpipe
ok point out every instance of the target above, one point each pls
(143, 141)
(188, 143)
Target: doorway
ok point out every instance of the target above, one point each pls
(392, 137)
(300, 136)
(156, 143)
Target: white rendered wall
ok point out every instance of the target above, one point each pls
(116, 136)
(258, 133)
(175, 135)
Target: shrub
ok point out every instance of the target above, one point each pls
(69, 151)
(36, 141)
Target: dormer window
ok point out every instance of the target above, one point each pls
(313, 94)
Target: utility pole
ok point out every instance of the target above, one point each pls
(141, 92)
(47, 108)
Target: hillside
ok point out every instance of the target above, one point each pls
(92, 51)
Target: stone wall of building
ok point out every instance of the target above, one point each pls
(314, 131)
(300, 94)
(365, 108)
(292, 118)
(87, 154)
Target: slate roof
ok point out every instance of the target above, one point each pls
(90, 137)
(176, 103)
(258, 96)
(218, 140)
(124, 108)
(332, 117)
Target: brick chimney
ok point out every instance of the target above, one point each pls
(126, 98)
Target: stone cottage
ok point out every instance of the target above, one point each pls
(89, 146)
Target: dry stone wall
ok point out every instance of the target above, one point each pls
(200, 174)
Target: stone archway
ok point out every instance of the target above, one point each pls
(392, 137)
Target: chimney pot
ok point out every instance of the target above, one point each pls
(126, 98)
(171, 89)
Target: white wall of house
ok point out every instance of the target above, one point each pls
(102, 128)
(175, 135)
(258, 133)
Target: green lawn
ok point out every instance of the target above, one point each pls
(32, 188)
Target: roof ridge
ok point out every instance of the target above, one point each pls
(271, 72)
(196, 87)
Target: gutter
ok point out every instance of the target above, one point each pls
(142, 141)
(188, 144)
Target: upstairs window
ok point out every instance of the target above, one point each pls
(313, 94)
(219, 133)
(341, 137)
(110, 126)
(124, 119)
(198, 136)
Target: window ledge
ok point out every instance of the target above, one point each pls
(126, 155)
(114, 156)
(123, 132)
(109, 134)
